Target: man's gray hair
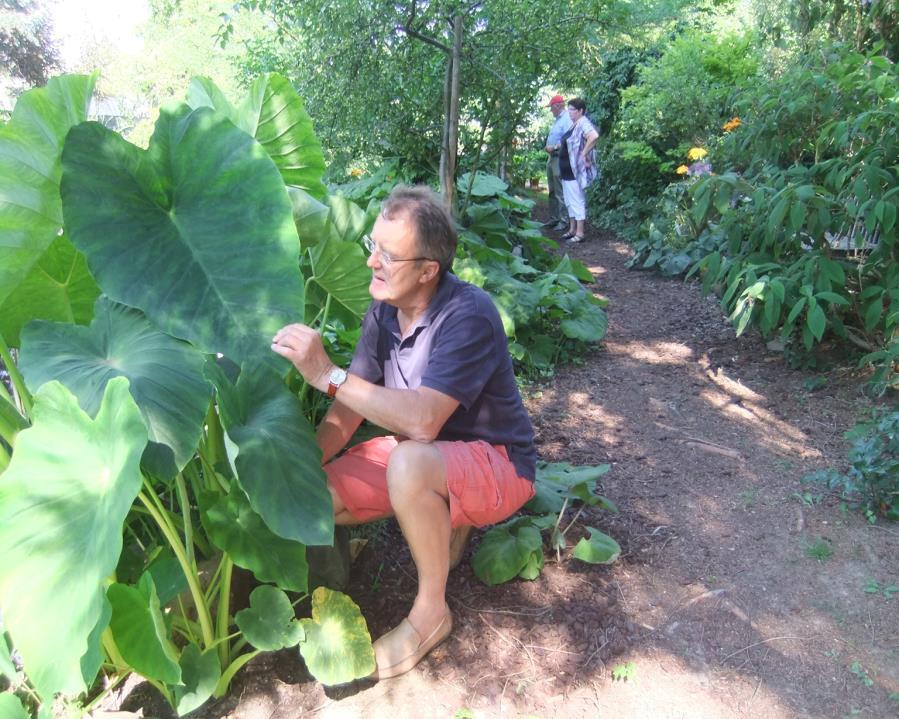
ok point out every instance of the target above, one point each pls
(435, 231)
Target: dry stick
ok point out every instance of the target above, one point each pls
(770, 639)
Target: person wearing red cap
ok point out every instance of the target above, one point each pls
(558, 213)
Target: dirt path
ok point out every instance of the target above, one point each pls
(717, 600)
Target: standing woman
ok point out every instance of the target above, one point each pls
(577, 167)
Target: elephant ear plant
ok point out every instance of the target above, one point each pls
(151, 443)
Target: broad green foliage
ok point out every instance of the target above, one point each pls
(273, 113)
(164, 374)
(797, 231)
(269, 622)
(232, 525)
(274, 455)
(11, 707)
(200, 674)
(515, 547)
(195, 242)
(597, 548)
(872, 478)
(61, 537)
(187, 265)
(679, 95)
(41, 274)
(140, 631)
(337, 646)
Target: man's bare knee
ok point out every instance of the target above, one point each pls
(415, 466)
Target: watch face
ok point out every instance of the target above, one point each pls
(337, 376)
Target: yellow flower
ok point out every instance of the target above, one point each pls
(732, 124)
(697, 153)
(682, 170)
(356, 172)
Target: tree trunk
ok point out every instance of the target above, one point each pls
(450, 147)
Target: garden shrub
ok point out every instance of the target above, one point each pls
(797, 230)
(677, 100)
(872, 480)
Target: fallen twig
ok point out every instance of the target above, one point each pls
(763, 641)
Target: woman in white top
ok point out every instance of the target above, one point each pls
(577, 167)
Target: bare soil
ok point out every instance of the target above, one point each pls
(723, 600)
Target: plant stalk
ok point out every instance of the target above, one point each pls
(184, 501)
(192, 581)
(215, 437)
(235, 666)
(224, 609)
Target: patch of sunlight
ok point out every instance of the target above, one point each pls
(749, 410)
(653, 353)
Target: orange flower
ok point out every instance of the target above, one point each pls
(732, 124)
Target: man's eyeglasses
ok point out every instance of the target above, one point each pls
(386, 259)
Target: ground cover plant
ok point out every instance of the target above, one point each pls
(173, 447)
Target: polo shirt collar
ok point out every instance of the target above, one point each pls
(447, 287)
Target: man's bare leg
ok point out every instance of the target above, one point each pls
(416, 480)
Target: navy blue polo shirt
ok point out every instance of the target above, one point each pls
(457, 347)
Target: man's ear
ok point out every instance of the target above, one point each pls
(430, 272)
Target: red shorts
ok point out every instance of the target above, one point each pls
(483, 485)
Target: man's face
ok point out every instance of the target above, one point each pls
(556, 108)
(397, 280)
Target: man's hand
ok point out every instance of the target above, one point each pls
(549, 149)
(303, 346)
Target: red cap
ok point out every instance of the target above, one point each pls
(556, 99)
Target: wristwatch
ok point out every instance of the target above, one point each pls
(335, 380)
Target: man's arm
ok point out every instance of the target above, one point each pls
(415, 413)
(336, 429)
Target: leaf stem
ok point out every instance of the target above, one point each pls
(184, 501)
(15, 376)
(224, 609)
(192, 581)
(235, 666)
(574, 519)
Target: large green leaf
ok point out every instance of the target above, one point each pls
(273, 113)
(484, 185)
(337, 647)
(347, 222)
(269, 622)
(339, 270)
(197, 231)
(40, 273)
(61, 536)
(140, 633)
(234, 527)
(165, 375)
(557, 481)
(58, 287)
(200, 673)
(275, 455)
(598, 548)
(505, 551)
(11, 707)
(310, 217)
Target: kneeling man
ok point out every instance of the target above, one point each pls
(432, 366)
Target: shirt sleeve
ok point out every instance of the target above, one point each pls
(365, 363)
(463, 358)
